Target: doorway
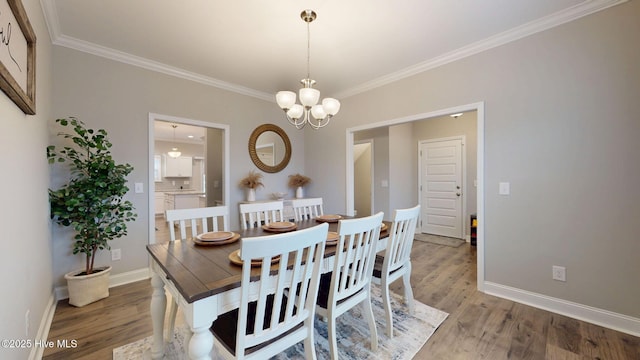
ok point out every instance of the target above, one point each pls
(478, 175)
(441, 178)
(211, 165)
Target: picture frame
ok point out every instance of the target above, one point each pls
(17, 56)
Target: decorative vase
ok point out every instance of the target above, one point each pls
(85, 289)
(299, 192)
(251, 194)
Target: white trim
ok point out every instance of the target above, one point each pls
(608, 319)
(575, 12)
(583, 9)
(62, 292)
(43, 330)
(226, 193)
(479, 108)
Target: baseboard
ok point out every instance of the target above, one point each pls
(605, 318)
(62, 292)
(43, 330)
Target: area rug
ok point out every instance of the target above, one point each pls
(440, 240)
(411, 332)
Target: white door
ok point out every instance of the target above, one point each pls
(441, 175)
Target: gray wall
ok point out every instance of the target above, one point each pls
(380, 138)
(403, 178)
(362, 179)
(118, 98)
(562, 125)
(25, 249)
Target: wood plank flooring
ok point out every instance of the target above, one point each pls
(479, 326)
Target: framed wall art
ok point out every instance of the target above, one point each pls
(17, 56)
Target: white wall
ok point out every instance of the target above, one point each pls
(562, 125)
(118, 98)
(25, 249)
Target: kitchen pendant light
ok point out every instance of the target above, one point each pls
(174, 153)
(317, 115)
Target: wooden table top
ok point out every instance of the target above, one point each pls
(202, 271)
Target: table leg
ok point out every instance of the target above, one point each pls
(158, 308)
(201, 344)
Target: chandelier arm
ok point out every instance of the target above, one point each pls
(321, 122)
(299, 123)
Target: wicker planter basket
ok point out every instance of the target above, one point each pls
(85, 289)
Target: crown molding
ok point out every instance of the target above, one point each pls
(583, 9)
(152, 65)
(57, 38)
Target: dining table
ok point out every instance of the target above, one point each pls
(205, 283)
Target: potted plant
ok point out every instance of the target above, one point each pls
(298, 181)
(251, 182)
(92, 203)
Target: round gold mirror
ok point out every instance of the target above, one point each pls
(269, 148)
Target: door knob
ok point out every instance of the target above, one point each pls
(458, 194)
(458, 187)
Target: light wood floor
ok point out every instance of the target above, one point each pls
(479, 326)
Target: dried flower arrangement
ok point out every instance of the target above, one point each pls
(252, 181)
(298, 180)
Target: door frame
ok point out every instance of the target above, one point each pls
(153, 117)
(463, 196)
(479, 108)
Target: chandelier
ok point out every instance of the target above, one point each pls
(174, 153)
(317, 115)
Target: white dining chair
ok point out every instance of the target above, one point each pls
(304, 209)
(259, 213)
(396, 262)
(200, 220)
(267, 323)
(349, 284)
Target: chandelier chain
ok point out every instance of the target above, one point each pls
(308, 51)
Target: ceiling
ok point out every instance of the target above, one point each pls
(257, 47)
(183, 133)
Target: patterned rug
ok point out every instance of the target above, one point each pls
(410, 334)
(440, 240)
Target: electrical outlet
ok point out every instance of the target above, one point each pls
(116, 254)
(559, 273)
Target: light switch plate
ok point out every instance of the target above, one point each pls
(505, 188)
(139, 188)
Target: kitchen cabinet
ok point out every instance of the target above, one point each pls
(178, 167)
(159, 203)
(182, 200)
(187, 201)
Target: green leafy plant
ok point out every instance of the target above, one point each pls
(91, 202)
